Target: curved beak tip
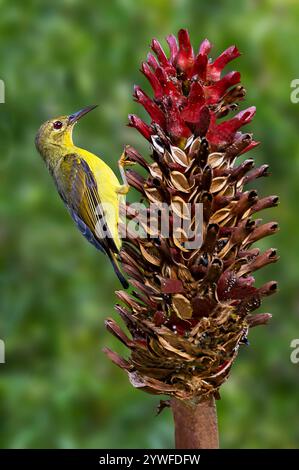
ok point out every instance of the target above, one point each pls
(73, 118)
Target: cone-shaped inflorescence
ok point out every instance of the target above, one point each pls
(190, 309)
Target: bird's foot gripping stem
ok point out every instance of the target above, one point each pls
(122, 163)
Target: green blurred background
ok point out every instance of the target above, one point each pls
(57, 389)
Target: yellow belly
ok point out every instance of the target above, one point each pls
(107, 183)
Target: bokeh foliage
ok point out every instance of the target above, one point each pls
(57, 389)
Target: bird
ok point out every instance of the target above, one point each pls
(88, 187)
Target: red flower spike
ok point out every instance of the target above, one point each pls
(152, 61)
(185, 57)
(173, 47)
(153, 110)
(196, 100)
(144, 129)
(200, 66)
(174, 123)
(169, 87)
(205, 47)
(186, 335)
(158, 50)
(214, 92)
(245, 116)
(196, 94)
(216, 67)
(198, 115)
(156, 86)
(223, 134)
(202, 125)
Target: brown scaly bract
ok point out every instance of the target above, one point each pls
(191, 309)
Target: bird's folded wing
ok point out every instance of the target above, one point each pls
(78, 189)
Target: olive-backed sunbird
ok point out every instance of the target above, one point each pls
(87, 185)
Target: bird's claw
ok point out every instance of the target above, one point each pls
(124, 161)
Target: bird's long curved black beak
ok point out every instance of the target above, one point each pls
(73, 118)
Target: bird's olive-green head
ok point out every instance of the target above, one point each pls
(54, 137)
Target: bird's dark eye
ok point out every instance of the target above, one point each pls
(57, 125)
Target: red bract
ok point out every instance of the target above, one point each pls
(184, 59)
(224, 133)
(216, 67)
(192, 83)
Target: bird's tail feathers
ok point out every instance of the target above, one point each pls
(117, 270)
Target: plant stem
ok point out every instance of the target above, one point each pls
(195, 425)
